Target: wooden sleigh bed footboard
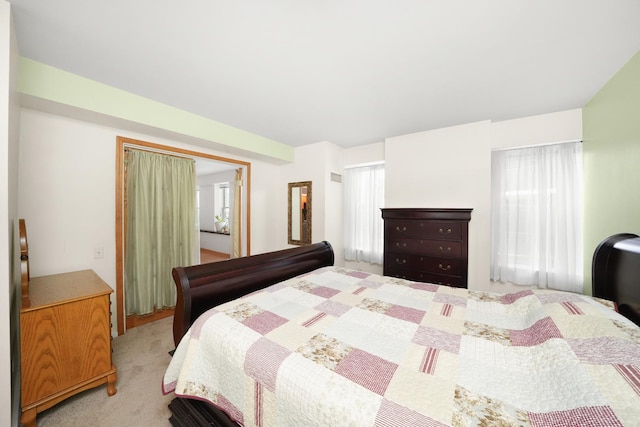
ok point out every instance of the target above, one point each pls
(201, 287)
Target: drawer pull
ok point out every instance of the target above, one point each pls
(399, 261)
(443, 250)
(398, 228)
(403, 245)
(443, 268)
(447, 231)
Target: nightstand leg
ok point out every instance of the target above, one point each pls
(28, 418)
(111, 384)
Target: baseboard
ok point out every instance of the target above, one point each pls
(135, 320)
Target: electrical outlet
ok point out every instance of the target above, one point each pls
(98, 252)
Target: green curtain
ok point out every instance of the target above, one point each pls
(160, 227)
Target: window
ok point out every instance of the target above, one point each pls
(363, 227)
(222, 200)
(536, 216)
(225, 201)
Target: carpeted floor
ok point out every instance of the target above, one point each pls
(141, 357)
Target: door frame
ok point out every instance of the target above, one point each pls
(121, 143)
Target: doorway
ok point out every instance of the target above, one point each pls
(204, 162)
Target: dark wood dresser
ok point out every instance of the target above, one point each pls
(427, 245)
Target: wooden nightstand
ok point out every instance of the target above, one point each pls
(65, 339)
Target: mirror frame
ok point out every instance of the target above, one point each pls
(301, 241)
(121, 143)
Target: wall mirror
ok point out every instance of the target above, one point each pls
(300, 213)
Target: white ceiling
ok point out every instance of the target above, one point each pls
(345, 71)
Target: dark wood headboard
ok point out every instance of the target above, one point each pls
(616, 273)
(201, 287)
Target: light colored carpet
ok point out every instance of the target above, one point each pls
(141, 357)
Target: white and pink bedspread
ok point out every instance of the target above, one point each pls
(338, 347)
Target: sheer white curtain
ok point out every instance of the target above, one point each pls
(536, 216)
(363, 228)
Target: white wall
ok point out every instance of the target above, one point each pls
(451, 168)
(67, 195)
(445, 168)
(554, 127)
(215, 242)
(6, 245)
(363, 154)
(268, 208)
(313, 163)
(9, 246)
(208, 207)
(333, 163)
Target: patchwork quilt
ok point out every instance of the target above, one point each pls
(338, 347)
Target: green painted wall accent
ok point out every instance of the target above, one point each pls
(611, 147)
(46, 82)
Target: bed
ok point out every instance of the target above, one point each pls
(286, 338)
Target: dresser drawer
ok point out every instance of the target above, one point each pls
(424, 263)
(425, 229)
(419, 276)
(64, 345)
(432, 248)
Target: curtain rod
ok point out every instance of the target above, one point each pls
(132, 146)
(537, 145)
(128, 147)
